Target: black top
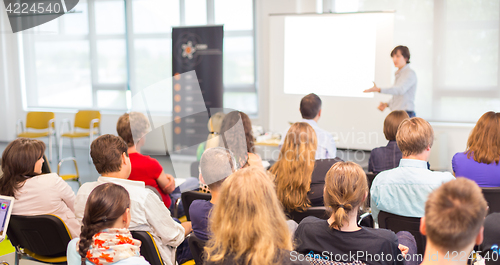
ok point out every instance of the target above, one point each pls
(384, 158)
(315, 236)
(321, 167)
(288, 258)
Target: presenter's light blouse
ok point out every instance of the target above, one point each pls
(403, 90)
(483, 174)
(404, 190)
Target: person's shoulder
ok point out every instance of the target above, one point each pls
(381, 233)
(87, 187)
(443, 176)
(133, 261)
(145, 159)
(311, 223)
(71, 251)
(198, 205)
(461, 157)
(385, 176)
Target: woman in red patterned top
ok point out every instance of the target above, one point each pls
(144, 168)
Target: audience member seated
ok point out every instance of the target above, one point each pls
(490, 246)
(132, 128)
(480, 162)
(388, 157)
(310, 109)
(404, 190)
(35, 193)
(148, 213)
(236, 135)
(213, 126)
(453, 222)
(216, 164)
(105, 237)
(346, 189)
(299, 183)
(248, 226)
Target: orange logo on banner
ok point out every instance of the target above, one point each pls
(177, 119)
(177, 130)
(177, 87)
(177, 76)
(177, 108)
(177, 98)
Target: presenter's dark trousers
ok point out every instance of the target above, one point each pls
(411, 113)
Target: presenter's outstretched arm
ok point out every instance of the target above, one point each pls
(382, 105)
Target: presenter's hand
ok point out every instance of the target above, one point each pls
(373, 89)
(382, 106)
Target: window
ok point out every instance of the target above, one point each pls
(97, 56)
(454, 47)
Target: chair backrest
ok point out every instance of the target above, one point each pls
(44, 235)
(369, 177)
(398, 223)
(153, 189)
(46, 165)
(195, 169)
(492, 196)
(319, 212)
(196, 246)
(83, 118)
(189, 196)
(39, 120)
(149, 250)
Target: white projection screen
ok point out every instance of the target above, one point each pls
(336, 56)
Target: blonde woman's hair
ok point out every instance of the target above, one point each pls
(294, 167)
(345, 188)
(214, 124)
(248, 223)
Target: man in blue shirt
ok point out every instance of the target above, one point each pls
(310, 109)
(216, 164)
(404, 190)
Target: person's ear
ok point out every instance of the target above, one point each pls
(480, 236)
(366, 196)
(422, 226)
(125, 161)
(201, 179)
(319, 113)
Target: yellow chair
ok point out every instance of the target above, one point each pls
(87, 124)
(66, 177)
(38, 125)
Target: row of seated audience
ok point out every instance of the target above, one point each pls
(244, 223)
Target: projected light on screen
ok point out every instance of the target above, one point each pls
(331, 55)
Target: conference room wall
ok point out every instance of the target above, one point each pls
(451, 137)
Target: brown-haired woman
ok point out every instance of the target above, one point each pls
(346, 189)
(236, 135)
(248, 226)
(480, 161)
(35, 193)
(105, 238)
(295, 166)
(387, 157)
(299, 177)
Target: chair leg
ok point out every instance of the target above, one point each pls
(57, 147)
(60, 147)
(50, 147)
(17, 256)
(73, 147)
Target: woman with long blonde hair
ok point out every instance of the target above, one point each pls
(346, 189)
(295, 166)
(247, 224)
(481, 160)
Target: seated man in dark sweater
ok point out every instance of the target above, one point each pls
(216, 164)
